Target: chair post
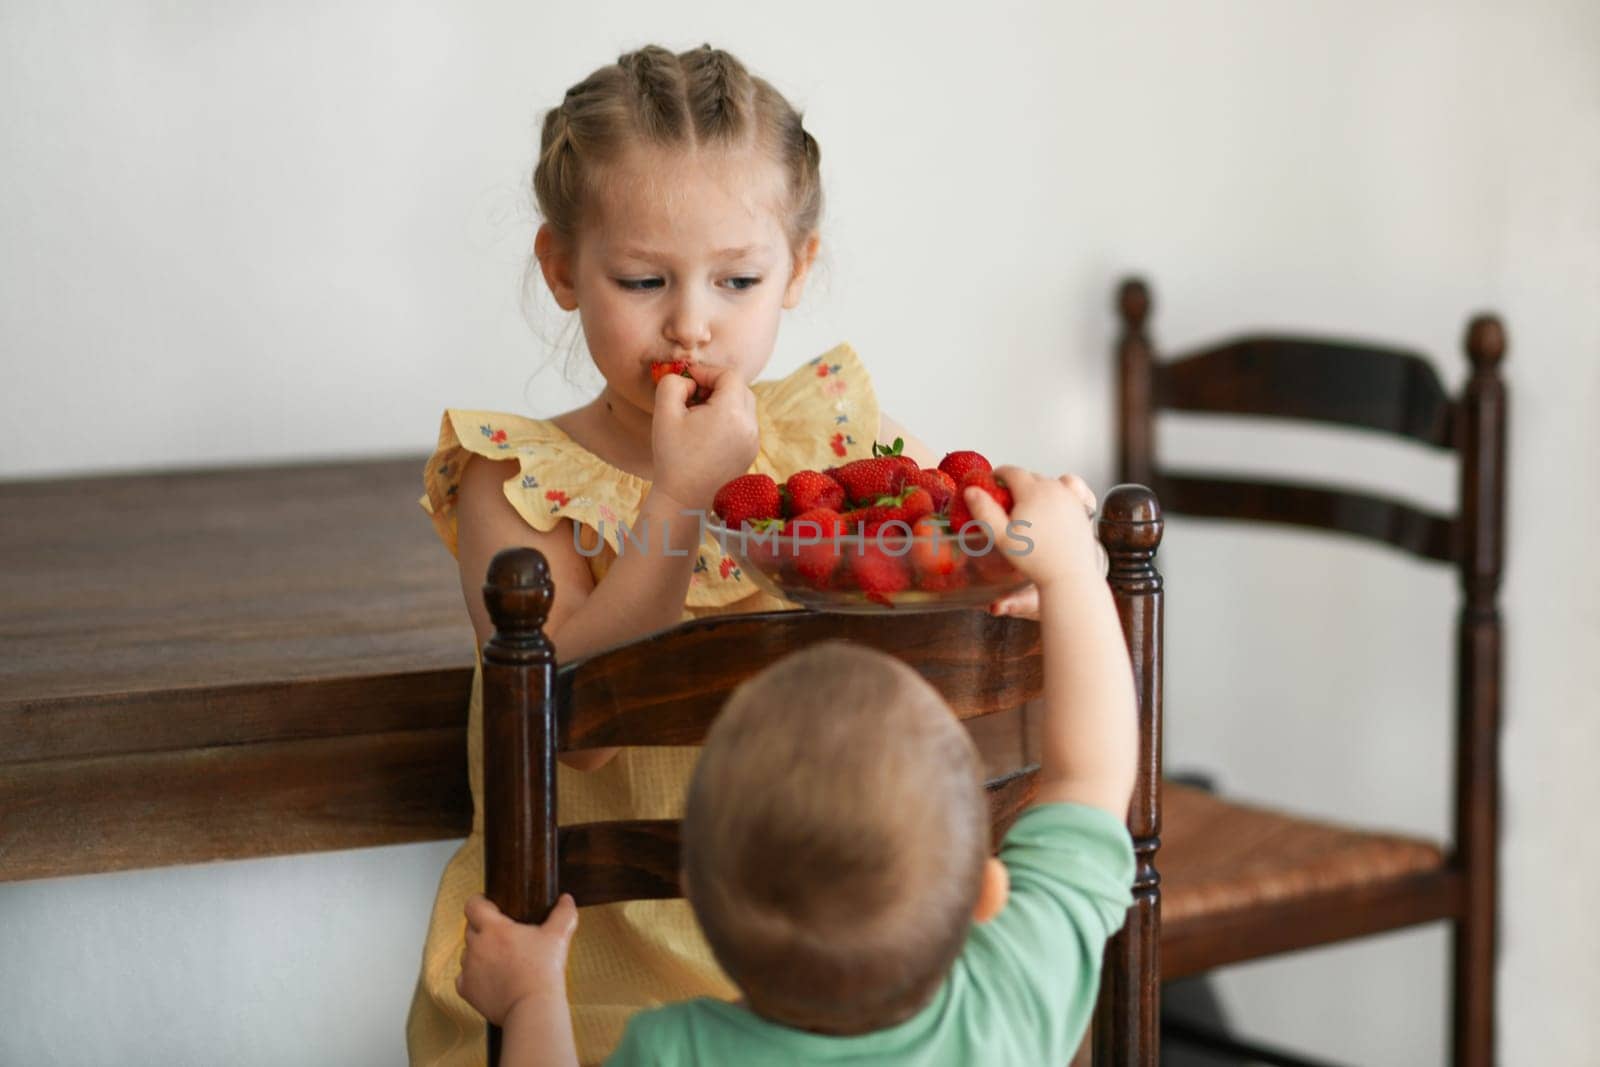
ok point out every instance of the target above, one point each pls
(1480, 429)
(519, 743)
(1127, 1017)
(1135, 369)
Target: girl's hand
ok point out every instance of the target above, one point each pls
(1058, 513)
(695, 450)
(507, 962)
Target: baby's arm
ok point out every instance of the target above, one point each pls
(1091, 733)
(515, 975)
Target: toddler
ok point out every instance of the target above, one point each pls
(836, 855)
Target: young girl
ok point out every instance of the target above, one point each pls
(681, 201)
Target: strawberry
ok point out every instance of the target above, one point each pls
(959, 464)
(960, 514)
(933, 550)
(907, 506)
(747, 498)
(661, 368)
(867, 479)
(809, 490)
(815, 563)
(939, 485)
(879, 574)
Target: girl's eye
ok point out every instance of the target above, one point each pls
(640, 285)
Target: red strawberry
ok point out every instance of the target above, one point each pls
(808, 490)
(934, 553)
(885, 474)
(865, 480)
(959, 464)
(879, 574)
(815, 562)
(939, 485)
(661, 368)
(960, 514)
(747, 498)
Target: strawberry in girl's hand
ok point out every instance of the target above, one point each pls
(808, 490)
(959, 464)
(748, 498)
(661, 368)
(939, 485)
(960, 514)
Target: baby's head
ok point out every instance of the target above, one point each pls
(836, 838)
(681, 199)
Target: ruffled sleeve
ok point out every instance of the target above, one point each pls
(823, 414)
(556, 479)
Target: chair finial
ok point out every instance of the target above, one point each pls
(1130, 520)
(1133, 302)
(1486, 341)
(517, 590)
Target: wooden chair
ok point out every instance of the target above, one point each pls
(1241, 882)
(666, 689)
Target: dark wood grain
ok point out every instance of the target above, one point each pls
(1366, 515)
(1128, 1015)
(667, 692)
(1397, 392)
(182, 653)
(151, 809)
(167, 581)
(1314, 380)
(1478, 695)
(637, 859)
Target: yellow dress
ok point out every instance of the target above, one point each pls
(634, 954)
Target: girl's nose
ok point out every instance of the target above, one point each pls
(688, 326)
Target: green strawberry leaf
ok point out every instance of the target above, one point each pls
(887, 450)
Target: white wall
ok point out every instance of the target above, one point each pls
(237, 232)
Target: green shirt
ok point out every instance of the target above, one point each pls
(1021, 992)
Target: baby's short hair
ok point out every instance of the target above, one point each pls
(834, 839)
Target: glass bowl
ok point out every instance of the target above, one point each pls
(890, 571)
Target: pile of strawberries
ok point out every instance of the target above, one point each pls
(862, 498)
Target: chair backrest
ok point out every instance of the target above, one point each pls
(1289, 377)
(1381, 389)
(667, 688)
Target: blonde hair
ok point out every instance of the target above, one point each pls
(700, 98)
(834, 839)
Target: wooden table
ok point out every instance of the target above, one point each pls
(212, 665)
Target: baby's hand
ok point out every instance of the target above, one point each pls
(696, 450)
(1056, 512)
(506, 962)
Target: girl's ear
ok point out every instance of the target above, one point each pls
(558, 262)
(802, 267)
